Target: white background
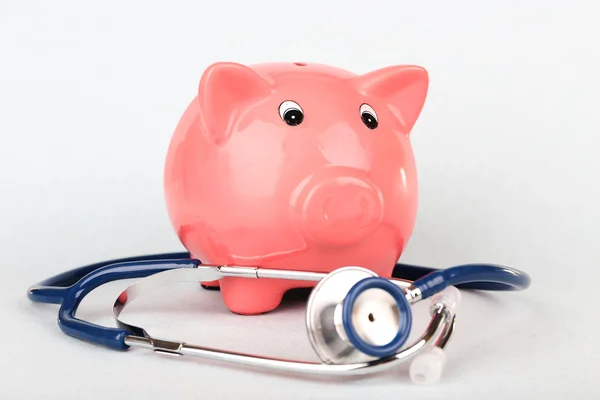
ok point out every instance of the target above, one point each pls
(506, 146)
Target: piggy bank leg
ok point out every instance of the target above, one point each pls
(252, 297)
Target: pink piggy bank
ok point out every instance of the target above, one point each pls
(295, 166)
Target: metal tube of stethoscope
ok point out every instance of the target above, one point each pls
(266, 273)
(441, 320)
(338, 353)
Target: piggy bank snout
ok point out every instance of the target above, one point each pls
(340, 210)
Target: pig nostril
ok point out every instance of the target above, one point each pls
(300, 64)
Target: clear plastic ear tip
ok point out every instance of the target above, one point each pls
(427, 368)
(450, 297)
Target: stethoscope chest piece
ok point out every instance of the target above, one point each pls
(352, 316)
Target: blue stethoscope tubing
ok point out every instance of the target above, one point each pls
(69, 288)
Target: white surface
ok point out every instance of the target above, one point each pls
(507, 149)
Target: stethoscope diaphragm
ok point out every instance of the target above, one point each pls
(354, 316)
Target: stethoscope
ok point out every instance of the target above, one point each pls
(357, 322)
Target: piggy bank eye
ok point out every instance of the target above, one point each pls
(368, 116)
(291, 113)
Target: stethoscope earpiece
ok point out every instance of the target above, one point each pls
(428, 366)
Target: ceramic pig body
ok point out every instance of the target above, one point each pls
(289, 166)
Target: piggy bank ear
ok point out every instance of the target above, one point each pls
(224, 91)
(402, 87)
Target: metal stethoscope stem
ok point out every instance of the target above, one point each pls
(437, 333)
(439, 329)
